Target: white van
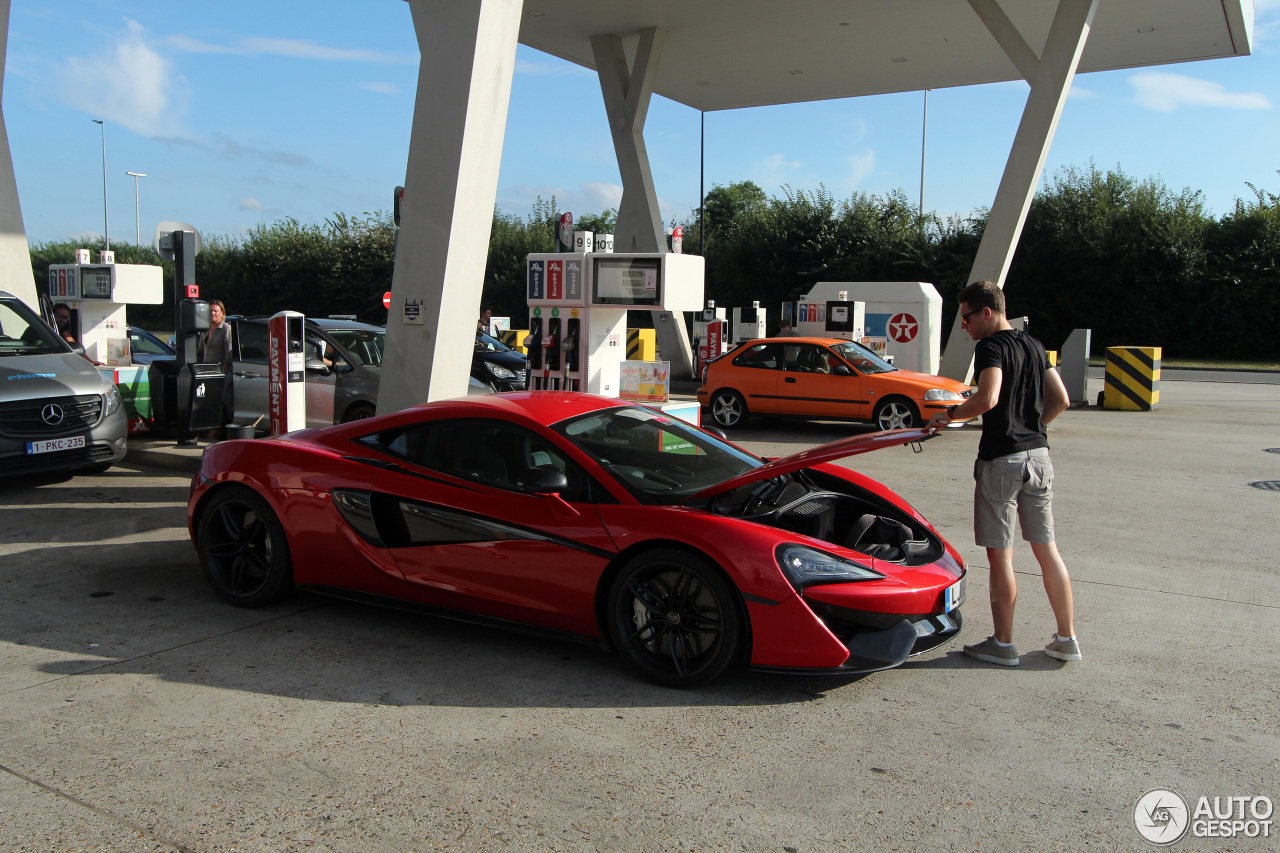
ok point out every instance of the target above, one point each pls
(57, 412)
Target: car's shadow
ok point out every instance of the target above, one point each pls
(144, 608)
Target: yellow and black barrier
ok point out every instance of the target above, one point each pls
(1133, 379)
(642, 345)
(514, 338)
(1053, 357)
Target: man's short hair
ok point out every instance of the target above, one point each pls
(983, 294)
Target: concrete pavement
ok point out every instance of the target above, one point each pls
(139, 712)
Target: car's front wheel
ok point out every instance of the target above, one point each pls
(674, 618)
(896, 413)
(358, 412)
(728, 409)
(243, 548)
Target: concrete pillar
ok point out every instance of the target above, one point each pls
(16, 275)
(468, 50)
(1050, 77)
(627, 89)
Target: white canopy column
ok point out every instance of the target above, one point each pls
(1050, 77)
(627, 89)
(468, 52)
(16, 275)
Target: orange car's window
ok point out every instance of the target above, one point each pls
(760, 356)
(804, 358)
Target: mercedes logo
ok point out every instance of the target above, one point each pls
(52, 414)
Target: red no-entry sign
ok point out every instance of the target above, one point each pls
(386, 300)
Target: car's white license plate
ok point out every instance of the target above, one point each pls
(51, 445)
(954, 596)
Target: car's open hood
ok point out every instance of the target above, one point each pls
(829, 452)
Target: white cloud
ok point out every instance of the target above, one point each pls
(775, 162)
(129, 85)
(186, 44)
(381, 88)
(303, 49)
(601, 195)
(249, 203)
(861, 166)
(551, 69)
(1080, 93)
(1164, 92)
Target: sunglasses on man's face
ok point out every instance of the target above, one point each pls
(964, 318)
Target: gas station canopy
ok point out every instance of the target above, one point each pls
(727, 54)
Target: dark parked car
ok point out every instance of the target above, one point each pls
(497, 365)
(145, 347)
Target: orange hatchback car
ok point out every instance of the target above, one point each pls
(823, 379)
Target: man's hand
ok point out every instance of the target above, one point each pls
(939, 421)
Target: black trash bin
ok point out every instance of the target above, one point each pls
(205, 386)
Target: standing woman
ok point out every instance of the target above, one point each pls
(214, 347)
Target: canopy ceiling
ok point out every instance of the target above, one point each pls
(726, 54)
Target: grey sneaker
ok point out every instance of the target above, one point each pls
(988, 651)
(1062, 649)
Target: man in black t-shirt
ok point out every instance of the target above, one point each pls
(1017, 395)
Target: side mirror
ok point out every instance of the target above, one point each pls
(841, 370)
(77, 348)
(717, 432)
(543, 480)
(315, 365)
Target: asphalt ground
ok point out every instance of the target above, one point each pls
(138, 712)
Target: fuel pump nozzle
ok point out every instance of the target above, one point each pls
(569, 346)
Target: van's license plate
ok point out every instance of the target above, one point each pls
(954, 596)
(52, 445)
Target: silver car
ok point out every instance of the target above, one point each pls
(57, 412)
(343, 366)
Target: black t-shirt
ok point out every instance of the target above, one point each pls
(1014, 424)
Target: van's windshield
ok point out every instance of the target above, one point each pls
(23, 333)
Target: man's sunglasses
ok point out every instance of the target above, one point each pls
(964, 318)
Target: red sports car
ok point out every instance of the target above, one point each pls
(591, 519)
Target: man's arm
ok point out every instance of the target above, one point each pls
(1056, 399)
(982, 400)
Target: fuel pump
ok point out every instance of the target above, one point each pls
(533, 349)
(569, 346)
(551, 360)
(286, 356)
(748, 323)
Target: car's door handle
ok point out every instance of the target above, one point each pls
(790, 379)
(244, 374)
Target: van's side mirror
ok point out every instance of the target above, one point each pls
(315, 365)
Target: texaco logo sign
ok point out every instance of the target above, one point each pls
(903, 328)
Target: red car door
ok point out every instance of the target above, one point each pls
(479, 544)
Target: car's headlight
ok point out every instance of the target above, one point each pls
(499, 371)
(111, 401)
(806, 566)
(941, 394)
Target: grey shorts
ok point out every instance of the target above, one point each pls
(1020, 484)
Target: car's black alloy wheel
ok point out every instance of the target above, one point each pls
(243, 549)
(675, 619)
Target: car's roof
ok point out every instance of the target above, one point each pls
(545, 407)
(325, 323)
(792, 339)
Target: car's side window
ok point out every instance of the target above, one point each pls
(805, 358)
(253, 342)
(491, 452)
(760, 356)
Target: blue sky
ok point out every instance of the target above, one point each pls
(242, 113)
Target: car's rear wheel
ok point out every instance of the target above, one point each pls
(896, 413)
(243, 549)
(674, 619)
(358, 412)
(728, 409)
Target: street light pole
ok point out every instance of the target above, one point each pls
(106, 229)
(137, 218)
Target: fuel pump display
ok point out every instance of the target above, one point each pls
(578, 303)
(287, 389)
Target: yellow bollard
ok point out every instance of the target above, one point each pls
(642, 345)
(514, 338)
(1133, 379)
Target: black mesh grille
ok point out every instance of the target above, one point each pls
(25, 418)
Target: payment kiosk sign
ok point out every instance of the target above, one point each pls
(537, 279)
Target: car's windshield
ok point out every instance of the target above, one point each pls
(862, 358)
(488, 343)
(659, 459)
(364, 345)
(23, 333)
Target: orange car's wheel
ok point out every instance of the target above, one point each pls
(896, 413)
(728, 409)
